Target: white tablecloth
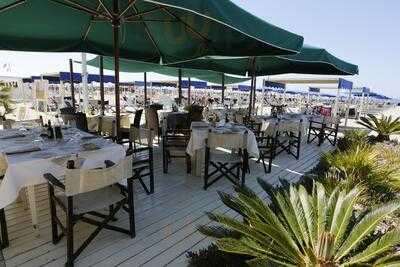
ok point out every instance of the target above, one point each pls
(269, 125)
(28, 168)
(200, 134)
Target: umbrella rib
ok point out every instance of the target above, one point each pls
(12, 5)
(79, 7)
(132, 3)
(204, 39)
(148, 32)
(142, 13)
(106, 9)
(89, 25)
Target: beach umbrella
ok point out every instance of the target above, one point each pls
(310, 60)
(149, 30)
(134, 66)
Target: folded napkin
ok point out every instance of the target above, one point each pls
(22, 150)
(12, 136)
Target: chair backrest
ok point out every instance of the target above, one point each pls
(141, 136)
(67, 110)
(331, 120)
(178, 121)
(7, 124)
(3, 164)
(177, 137)
(151, 118)
(81, 121)
(107, 127)
(138, 118)
(78, 181)
(231, 141)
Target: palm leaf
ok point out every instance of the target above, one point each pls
(365, 227)
(380, 246)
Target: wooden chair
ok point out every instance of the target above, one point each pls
(289, 138)
(141, 148)
(107, 128)
(255, 127)
(152, 121)
(267, 148)
(174, 143)
(3, 224)
(81, 121)
(231, 165)
(323, 128)
(84, 193)
(3, 230)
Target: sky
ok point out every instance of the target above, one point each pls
(363, 32)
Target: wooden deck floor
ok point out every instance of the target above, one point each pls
(165, 222)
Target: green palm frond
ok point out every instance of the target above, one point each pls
(384, 126)
(300, 228)
(366, 226)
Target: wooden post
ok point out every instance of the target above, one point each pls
(223, 88)
(71, 80)
(145, 89)
(189, 90)
(180, 86)
(102, 85)
(115, 26)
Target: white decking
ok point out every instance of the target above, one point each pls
(165, 222)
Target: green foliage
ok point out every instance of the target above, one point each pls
(384, 126)
(352, 138)
(6, 104)
(364, 165)
(213, 257)
(300, 228)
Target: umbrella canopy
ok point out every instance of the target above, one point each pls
(149, 30)
(310, 60)
(134, 66)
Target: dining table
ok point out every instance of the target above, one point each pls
(29, 155)
(287, 122)
(198, 137)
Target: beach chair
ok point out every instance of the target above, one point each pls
(141, 149)
(85, 192)
(3, 224)
(227, 154)
(323, 128)
(289, 138)
(174, 143)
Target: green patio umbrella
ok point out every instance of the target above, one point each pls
(310, 60)
(133, 66)
(147, 30)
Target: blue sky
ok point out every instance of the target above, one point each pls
(366, 33)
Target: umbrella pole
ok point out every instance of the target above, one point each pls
(180, 86)
(102, 85)
(252, 88)
(115, 25)
(71, 80)
(251, 98)
(223, 88)
(145, 89)
(189, 92)
(254, 93)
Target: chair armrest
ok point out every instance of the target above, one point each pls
(53, 180)
(109, 163)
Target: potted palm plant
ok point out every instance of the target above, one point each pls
(6, 103)
(300, 228)
(384, 126)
